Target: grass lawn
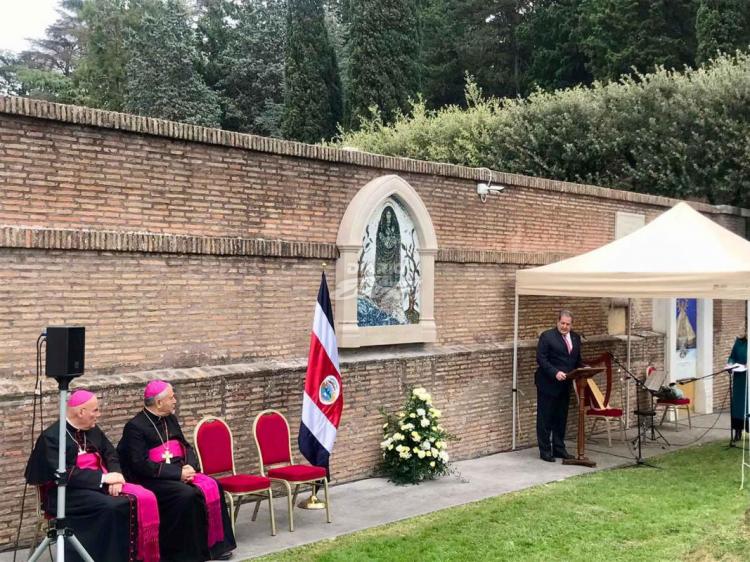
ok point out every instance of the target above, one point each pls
(689, 509)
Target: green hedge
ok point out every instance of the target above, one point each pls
(681, 134)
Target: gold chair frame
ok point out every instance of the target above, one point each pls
(256, 495)
(42, 523)
(676, 408)
(291, 497)
(598, 398)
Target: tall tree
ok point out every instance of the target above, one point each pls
(481, 38)
(383, 41)
(619, 35)
(101, 72)
(721, 26)
(162, 74)
(46, 70)
(443, 72)
(551, 37)
(60, 48)
(313, 103)
(246, 67)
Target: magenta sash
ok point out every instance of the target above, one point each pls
(173, 446)
(207, 485)
(210, 489)
(147, 510)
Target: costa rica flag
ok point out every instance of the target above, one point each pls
(323, 399)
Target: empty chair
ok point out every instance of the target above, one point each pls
(215, 447)
(271, 432)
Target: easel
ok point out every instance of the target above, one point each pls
(580, 377)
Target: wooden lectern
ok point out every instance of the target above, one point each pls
(580, 378)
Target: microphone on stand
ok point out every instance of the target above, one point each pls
(686, 381)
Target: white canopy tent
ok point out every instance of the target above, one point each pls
(681, 253)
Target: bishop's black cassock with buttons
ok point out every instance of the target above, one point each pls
(183, 512)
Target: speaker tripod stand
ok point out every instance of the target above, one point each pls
(60, 532)
(647, 430)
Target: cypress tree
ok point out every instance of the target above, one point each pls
(101, 71)
(312, 92)
(721, 25)
(619, 35)
(162, 72)
(551, 35)
(383, 41)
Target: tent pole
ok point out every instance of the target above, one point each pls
(746, 464)
(514, 392)
(627, 360)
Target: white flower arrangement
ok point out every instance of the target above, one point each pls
(414, 442)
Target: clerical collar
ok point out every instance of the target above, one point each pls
(73, 426)
(155, 416)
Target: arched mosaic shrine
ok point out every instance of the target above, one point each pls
(389, 269)
(384, 276)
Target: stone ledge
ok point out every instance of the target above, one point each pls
(86, 116)
(114, 241)
(145, 242)
(459, 255)
(23, 387)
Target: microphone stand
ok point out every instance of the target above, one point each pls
(643, 426)
(730, 372)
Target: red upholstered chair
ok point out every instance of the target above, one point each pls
(215, 447)
(597, 404)
(675, 404)
(271, 432)
(43, 518)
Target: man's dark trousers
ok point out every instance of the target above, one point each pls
(551, 418)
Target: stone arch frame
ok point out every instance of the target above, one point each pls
(349, 242)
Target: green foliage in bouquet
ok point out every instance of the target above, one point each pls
(415, 445)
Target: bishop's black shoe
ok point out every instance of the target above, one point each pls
(564, 455)
(548, 458)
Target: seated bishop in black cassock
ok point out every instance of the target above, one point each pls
(195, 524)
(115, 521)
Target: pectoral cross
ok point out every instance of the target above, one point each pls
(167, 455)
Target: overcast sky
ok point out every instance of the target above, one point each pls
(23, 19)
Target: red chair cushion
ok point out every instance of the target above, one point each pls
(272, 436)
(214, 443)
(675, 401)
(243, 483)
(606, 412)
(298, 472)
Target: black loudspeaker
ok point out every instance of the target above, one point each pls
(65, 350)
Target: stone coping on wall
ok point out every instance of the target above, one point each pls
(41, 238)
(23, 387)
(86, 116)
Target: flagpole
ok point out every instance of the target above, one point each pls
(323, 334)
(313, 502)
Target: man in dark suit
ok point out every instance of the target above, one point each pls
(557, 353)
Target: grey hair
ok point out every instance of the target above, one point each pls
(151, 401)
(565, 312)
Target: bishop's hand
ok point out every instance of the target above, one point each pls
(114, 478)
(188, 473)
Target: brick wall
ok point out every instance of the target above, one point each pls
(470, 385)
(197, 253)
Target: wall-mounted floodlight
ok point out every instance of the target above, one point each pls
(485, 188)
